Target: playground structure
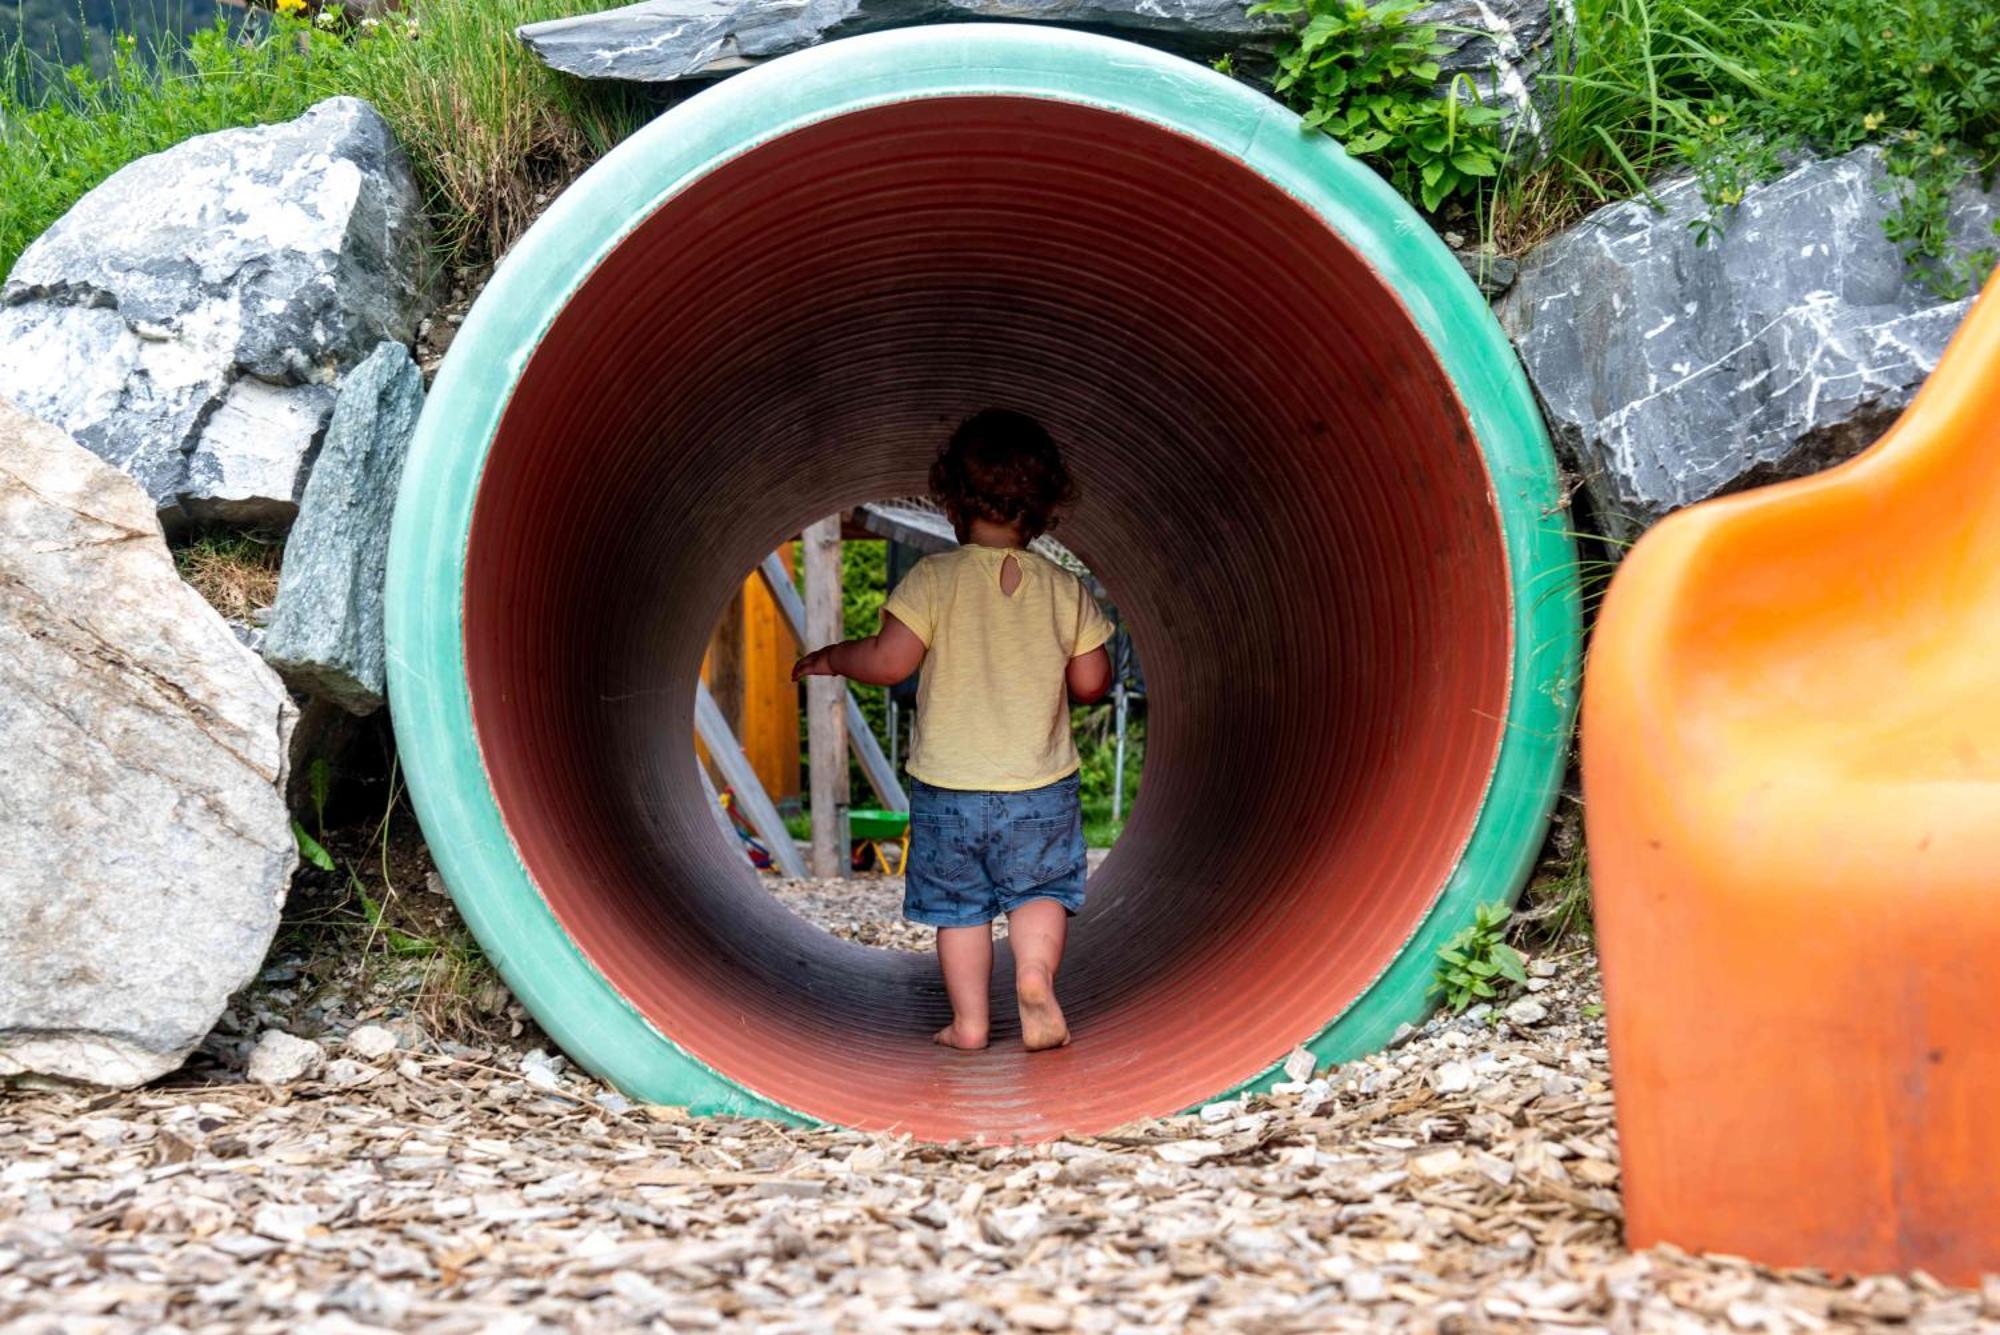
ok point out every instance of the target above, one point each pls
(1791, 756)
(767, 703)
(1318, 490)
(747, 671)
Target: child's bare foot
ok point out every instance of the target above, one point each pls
(1042, 1023)
(962, 1036)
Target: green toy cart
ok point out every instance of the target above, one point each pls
(882, 832)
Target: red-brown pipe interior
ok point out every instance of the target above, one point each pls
(1279, 489)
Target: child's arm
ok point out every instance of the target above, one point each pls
(881, 659)
(1089, 676)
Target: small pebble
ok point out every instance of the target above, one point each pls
(280, 1058)
(1527, 1011)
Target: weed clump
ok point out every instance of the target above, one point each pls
(235, 571)
(1367, 75)
(1477, 962)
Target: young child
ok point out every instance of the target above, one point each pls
(1006, 638)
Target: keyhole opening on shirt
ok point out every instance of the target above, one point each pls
(1010, 576)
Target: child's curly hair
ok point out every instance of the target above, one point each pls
(1002, 466)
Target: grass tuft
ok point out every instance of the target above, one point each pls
(368, 913)
(1554, 912)
(1728, 88)
(237, 572)
(490, 129)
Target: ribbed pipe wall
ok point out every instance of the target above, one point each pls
(1281, 489)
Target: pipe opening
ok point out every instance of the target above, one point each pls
(1280, 488)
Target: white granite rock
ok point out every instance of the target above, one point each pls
(145, 847)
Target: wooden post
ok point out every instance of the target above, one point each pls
(724, 663)
(826, 697)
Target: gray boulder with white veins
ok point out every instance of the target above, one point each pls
(1670, 371)
(1500, 46)
(659, 41)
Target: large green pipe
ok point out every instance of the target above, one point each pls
(1315, 482)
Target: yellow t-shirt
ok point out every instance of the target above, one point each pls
(992, 703)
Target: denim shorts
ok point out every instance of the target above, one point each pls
(977, 855)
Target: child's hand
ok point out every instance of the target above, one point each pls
(815, 664)
(882, 659)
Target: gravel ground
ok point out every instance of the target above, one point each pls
(1464, 1181)
(868, 909)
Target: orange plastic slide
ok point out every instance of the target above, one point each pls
(1791, 764)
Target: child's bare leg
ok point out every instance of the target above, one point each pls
(965, 954)
(1037, 931)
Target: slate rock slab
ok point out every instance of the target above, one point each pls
(659, 41)
(325, 636)
(1671, 371)
(187, 319)
(145, 847)
(1502, 46)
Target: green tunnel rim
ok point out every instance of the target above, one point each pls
(580, 1010)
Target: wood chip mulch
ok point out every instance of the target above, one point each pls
(1464, 1181)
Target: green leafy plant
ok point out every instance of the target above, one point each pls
(1472, 965)
(312, 847)
(319, 782)
(1367, 75)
